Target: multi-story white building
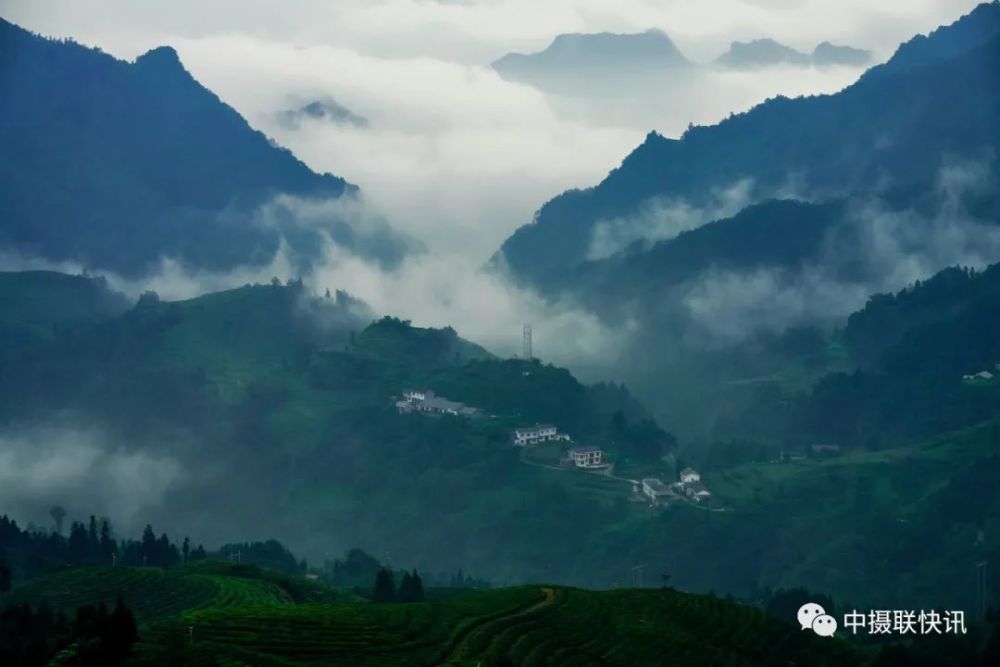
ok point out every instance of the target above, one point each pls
(532, 435)
(587, 457)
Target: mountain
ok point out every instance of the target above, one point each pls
(295, 393)
(767, 52)
(761, 53)
(116, 165)
(577, 62)
(826, 53)
(896, 130)
(325, 109)
(978, 27)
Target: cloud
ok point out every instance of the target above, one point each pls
(663, 218)
(432, 290)
(81, 471)
(877, 248)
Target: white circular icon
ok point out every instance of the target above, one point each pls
(808, 613)
(824, 625)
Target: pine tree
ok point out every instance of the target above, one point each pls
(412, 588)
(385, 587)
(148, 547)
(78, 545)
(405, 588)
(92, 534)
(108, 546)
(186, 549)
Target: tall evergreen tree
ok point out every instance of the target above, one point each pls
(108, 547)
(147, 549)
(385, 586)
(411, 589)
(79, 545)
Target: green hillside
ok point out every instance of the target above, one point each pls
(37, 306)
(240, 617)
(294, 393)
(155, 594)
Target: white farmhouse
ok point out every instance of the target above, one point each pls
(415, 395)
(532, 435)
(657, 491)
(689, 476)
(587, 457)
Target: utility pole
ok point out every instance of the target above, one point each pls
(527, 342)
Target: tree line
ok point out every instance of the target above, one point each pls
(25, 553)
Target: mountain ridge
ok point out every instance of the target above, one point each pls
(171, 171)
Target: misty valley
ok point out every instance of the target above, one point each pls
(736, 403)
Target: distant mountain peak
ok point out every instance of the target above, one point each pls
(161, 54)
(765, 52)
(600, 50)
(163, 61)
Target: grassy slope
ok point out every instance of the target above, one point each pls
(916, 519)
(155, 594)
(246, 616)
(36, 305)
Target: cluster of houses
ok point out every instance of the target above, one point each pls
(982, 375)
(587, 458)
(689, 484)
(424, 400)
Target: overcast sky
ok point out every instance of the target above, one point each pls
(452, 154)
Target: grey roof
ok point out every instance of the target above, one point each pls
(688, 471)
(584, 450)
(657, 486)
(438, 403)
(697, 487)
(533, 429)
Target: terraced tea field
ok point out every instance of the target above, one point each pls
(528, 626)
(153, 594)
(239, 615)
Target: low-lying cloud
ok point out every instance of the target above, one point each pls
(81, 471)
(878, 248)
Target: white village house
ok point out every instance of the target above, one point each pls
(689, 475)
(532, 435)
(587, 457)
(413, 395)
(657, 491)
(424, 400)
(697, 491)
